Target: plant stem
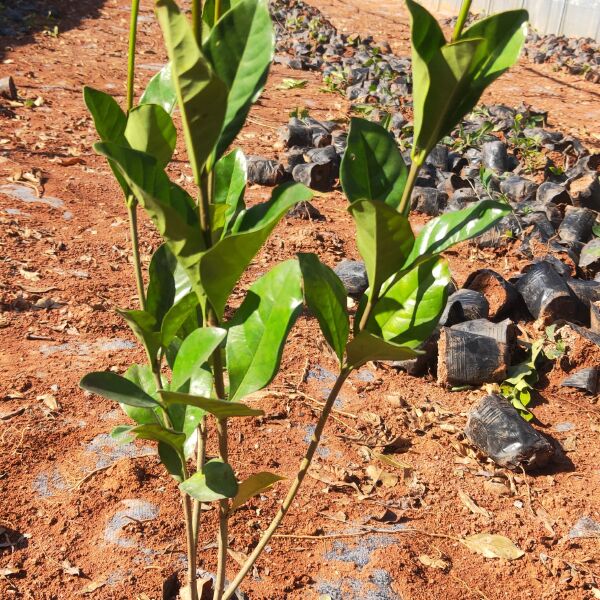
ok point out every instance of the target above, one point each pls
(222, 435)
(190, 538)
(287, 502)
(462, 19)
(200, 460)
(368, 308)
(197, 21)
(218, 11)
(415, 166)
(135, 249)
(135, 9)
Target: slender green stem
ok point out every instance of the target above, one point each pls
(462, 19)
(291, 495)
(191, 546)
(135, 9)
(413, 173)
(218, 11)
(368, 308)
(135, 249)
(200, 460)
(197, 21)
(222, 436)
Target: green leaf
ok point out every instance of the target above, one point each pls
(143, 325)
(208, 11)
(150, 129)
(440, 78)
(158, 433)
(254, 485)
(216, 481)
(325, 295)
(176, 317)
(259, 328)
(222, 409)
(230, 184)
(110, 123)
(372, 167)
(409, 309)
(109, 119)
(446, 230)
(503, 37)
(171, 459)
(160, 90)
(195, 350)
(141, 375)
(171, 208)
(168, 283)
(201, 95)
(240, 48)
(384, 239)
(222, 265)
(114, 387)
(365, 347)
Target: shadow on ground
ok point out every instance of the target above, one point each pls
(21, 20)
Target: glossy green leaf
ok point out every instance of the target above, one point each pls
(176, 317)
(254, 485)
(503, 37)
(222, 409)
(230, 184)
(150, 129)
(325, 295)
(259, 328)
(114, 387)
(141, 375)
(160, 90)
(195, 350)
(240, 48)
(171, 459)
(440, 78)
(216, 481)
(201, 95)
(109, 119)
(171, 208)
(384, 239)
(409, 309)
(208, 11)
(365, 347)
(451, 228)
(143, 325)
(168, 283)
(158, 433)
(222, 265)
(110, 122)
(372, 167)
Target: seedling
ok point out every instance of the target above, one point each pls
(201, 365)
(292, 84)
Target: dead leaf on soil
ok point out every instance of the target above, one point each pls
(8, 571)
(93, 586)
(29, 275)
(492, 546)
(434, 563)
(203, 585)
(472, 505)
(595, 592)
(69, 569)
(50, 401)
(239, 557)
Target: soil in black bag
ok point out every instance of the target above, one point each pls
(498, 430)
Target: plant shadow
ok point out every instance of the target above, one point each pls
(22, 20)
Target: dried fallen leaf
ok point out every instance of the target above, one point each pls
(203, 586)
(50, 401)
(93, 586)
(393, 462)
(472, 505)
(7, 571)
(492, 546)
(29, 275)
(69, 569)
(595, 592)
(239, 557)
(434, 563)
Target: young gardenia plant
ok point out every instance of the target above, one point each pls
(200, 363)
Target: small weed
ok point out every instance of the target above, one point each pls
(289, 83)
